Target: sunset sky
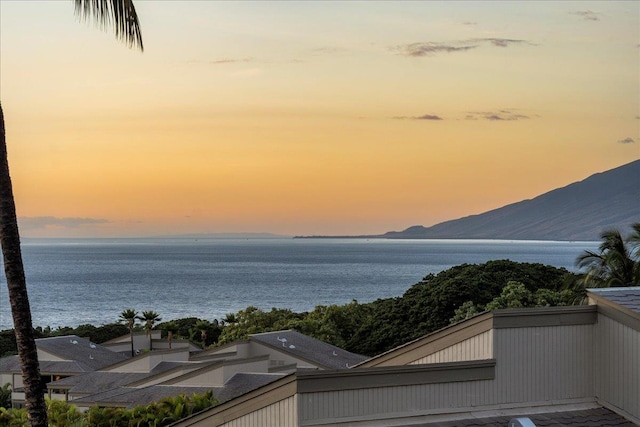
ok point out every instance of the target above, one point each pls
(310, 117)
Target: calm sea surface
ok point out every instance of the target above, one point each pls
(72, 282)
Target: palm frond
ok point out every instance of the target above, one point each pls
(121, 14)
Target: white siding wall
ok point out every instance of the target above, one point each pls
(479, 347)
(618, 365)
(280, 414)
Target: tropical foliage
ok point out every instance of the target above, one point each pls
(157, 414)
(148, 318)
(5, 396)
(516, 295)
(129, 317)
(615, 264)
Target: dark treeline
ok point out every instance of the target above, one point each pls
(365, 328)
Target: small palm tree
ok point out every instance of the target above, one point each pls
(171, 328)
(149, 319)
(617, 264)
(202, 326)
(128, 317)
(120, 14)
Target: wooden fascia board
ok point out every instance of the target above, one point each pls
(361, 378)
(544, 317)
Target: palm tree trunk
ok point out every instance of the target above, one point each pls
(17, 286)
(131, 336)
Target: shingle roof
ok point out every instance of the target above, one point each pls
(79, 355)
(242, 383)
(597, 417)
(130, 396)
(94, 382)
(99, 381)
(12, 364)
(88, 355)
(300, 345)
(625, 297)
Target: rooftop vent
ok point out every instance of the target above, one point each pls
(521, 422)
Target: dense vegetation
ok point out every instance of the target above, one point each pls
(162, 413)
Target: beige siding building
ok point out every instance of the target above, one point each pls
(539, 362)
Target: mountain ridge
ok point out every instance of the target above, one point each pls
(579, 211)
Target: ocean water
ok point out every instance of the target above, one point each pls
(78, 281)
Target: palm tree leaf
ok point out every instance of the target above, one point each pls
(121, 14)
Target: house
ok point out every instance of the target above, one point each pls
(575, 365)
(143, 341)
(59, 357)
(229, 371)
(288, 351)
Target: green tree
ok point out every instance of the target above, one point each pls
(5, 396)
(122, 15)
(170, 328)
(616, 264)
(63, 414)
(253, 320)
(149, 318)
(129, 317)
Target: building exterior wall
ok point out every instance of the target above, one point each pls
(378, 393)
(279, 414)
(6, 377)
(618, 365)
(379, 403)
(549, 362)
(544, 363)
(478, 347)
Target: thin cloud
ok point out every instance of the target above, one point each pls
(587, 15)
(330, 50)
(496, 116)
(224, 61)
(423, 117)
(42, 222)
(469, 23)
(627, 141)
(428, 117)
(433, 48)
(501, 42)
